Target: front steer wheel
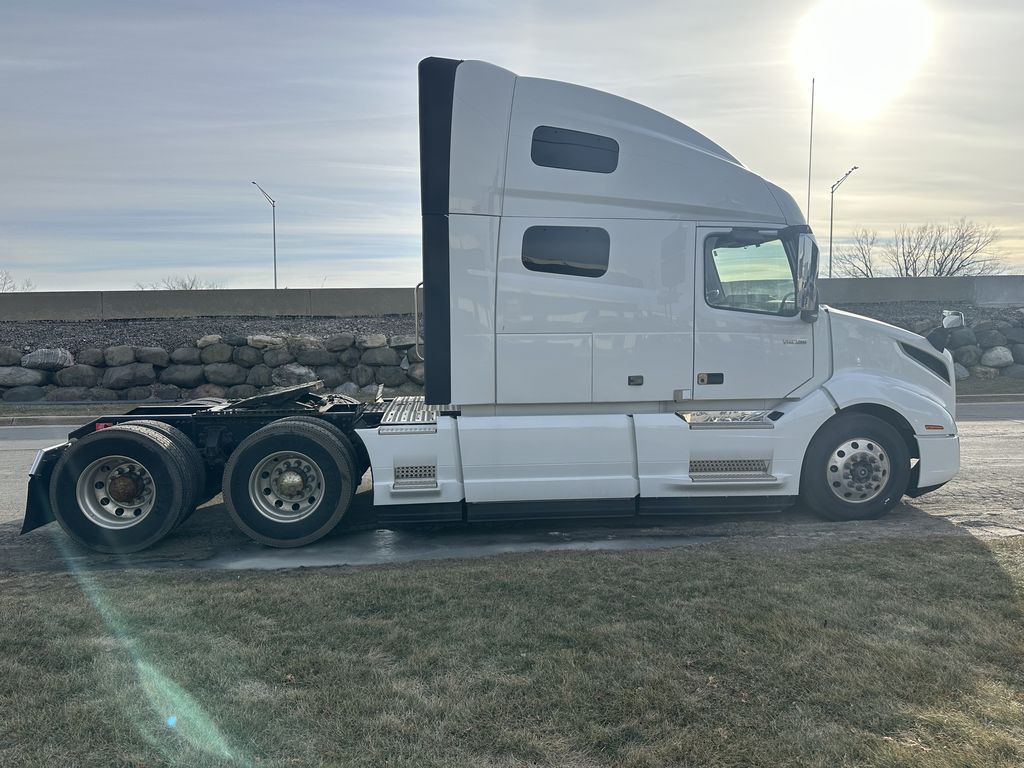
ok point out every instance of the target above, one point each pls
(289, 483)
(857, 467)
(121, 489)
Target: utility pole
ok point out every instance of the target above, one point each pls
(273, 223)
(831, 211)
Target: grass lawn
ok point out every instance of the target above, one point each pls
(883, 653)
(1001, 385)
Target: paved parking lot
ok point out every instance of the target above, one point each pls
(986, 499)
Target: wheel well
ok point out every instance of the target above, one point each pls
(894, 419)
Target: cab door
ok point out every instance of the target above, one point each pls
(749, 340)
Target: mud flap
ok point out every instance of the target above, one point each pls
(37, 506)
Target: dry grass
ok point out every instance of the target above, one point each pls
(898, 653)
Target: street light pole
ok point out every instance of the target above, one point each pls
(273, 223)
(831, 211)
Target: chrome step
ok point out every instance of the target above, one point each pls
(733, 478)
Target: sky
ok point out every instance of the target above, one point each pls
(130, 132)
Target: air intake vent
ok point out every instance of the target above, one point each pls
(719, 466)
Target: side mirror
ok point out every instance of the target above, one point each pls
(807, 278)
(951, 318)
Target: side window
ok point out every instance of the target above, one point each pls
(574, 150)
(579, 251)
(747, 272)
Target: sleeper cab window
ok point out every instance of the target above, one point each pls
(749, 272)
(574, 150)
(578, 251)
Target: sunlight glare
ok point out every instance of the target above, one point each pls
(862, 53)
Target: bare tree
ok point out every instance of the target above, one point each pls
(9, 285)
(857, 259)
(179, 283)
(961, 249)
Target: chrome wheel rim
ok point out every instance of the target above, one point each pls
(286, 487)
(116, 492)
(858, 470)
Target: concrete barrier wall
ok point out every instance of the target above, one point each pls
(1005, 290)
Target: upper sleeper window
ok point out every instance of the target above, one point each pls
(574, 150)
(579, 251)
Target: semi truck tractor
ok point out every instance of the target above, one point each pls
(619, 320)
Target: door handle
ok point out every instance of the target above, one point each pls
(710, 378)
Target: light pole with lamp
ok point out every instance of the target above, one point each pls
(831, 210)
(273, 219)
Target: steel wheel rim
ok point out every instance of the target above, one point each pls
(286, 487)
(858, 470)
(116, 492)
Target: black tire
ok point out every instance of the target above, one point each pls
(832, 486)
(356, 452)
(164, 464)
(194, 461)
(329, 455)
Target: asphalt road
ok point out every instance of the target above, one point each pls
(986, 499)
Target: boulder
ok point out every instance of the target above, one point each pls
(241, 391)
(1015, 371)
(208, 341)
(184, 376)
(414, 356)
(259, 376)
(982, 325)
(48, 359)
(246, 356)
(9, 356)
(403, 342)
(16, 376)
(997, 357)
(90, 356)
(134, 394)
(167, 392)
(156, 355)
(236, 341)
(79, 376)
(339, 342)
(349, 388)
(417, 373)
(390, 375)
(369, 392)
(371, 340)
(405, 389)
(1014, 335)
(1018, 353)
(68, 394)
(265, 342)
(216, 353)
(990, 338)
(362, 375)
(102, 395)
(331, 375)
(187, 356)
(960, 372)
(277, 356)
(121, 354)
(960, 337)
(208, 390)
(291, 374)
(967, 355)
(380, 356)
(126, 376)
(349, 357)
(984, 372)
(225, 374)
(24, 394)
(298, 343)
(315, 357)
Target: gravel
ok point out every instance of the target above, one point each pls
(181, 332)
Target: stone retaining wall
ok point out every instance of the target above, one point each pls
(216, 366)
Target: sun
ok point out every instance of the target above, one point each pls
(862, 53)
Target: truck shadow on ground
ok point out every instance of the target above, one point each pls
(209, 540)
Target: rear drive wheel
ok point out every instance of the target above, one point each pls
(121, 489)
(857, 467)
(289, 483)
(194, 461)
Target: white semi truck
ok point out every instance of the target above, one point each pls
(620, 320)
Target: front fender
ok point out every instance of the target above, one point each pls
(916, 404)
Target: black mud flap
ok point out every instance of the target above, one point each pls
(37, 507)
(913, 489)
